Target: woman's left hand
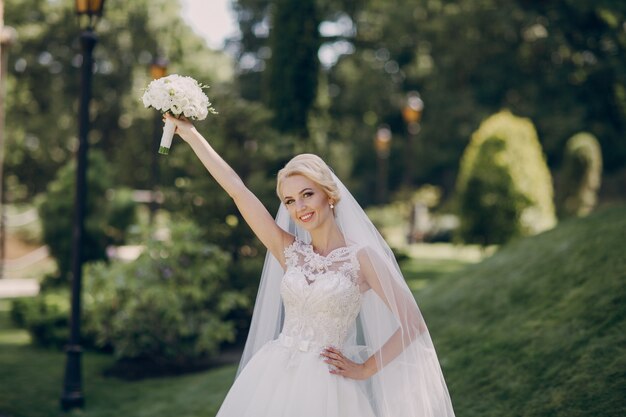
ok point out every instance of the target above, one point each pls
(344, 366)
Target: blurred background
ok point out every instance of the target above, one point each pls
(486, 140)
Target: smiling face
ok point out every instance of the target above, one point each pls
(306, 201)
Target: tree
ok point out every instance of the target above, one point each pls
(43, 84)
(252, 48)
(562, 65)
(293, 65)
(109, 213)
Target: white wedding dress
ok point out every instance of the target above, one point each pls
(287, 377)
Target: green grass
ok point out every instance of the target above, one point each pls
(31, 381)
(538, 329)
(420, 273)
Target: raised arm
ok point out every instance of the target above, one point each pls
(251, 208)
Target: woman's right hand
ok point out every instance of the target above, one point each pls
(184, 128)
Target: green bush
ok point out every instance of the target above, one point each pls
(168, 306)
(504, 185)
(46, 318)
(108, 213)
(581, 174)
(491, 208)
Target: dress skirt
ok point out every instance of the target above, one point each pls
(293, 381)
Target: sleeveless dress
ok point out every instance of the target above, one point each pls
(287, 377)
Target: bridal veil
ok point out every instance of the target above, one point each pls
(409, 382)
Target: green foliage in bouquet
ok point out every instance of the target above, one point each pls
(504, 186)
(108, 213)
(581, 175)
(168, 306)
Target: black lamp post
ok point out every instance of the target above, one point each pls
(88, 11)
(382, 144)
(412, 114)
(158, 69)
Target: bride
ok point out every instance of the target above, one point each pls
(335, 331)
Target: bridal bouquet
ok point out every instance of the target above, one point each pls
(180, 96)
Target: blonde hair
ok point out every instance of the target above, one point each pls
(312, 167)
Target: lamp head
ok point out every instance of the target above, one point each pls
(412, 111)
(158, 67)
(90, 8)
(382, 141)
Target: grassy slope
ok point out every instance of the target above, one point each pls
(539, 329)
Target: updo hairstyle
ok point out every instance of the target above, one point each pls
(312, 167)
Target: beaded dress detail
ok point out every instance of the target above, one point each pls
(288, 377)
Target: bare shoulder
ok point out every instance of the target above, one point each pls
(365, 255)
(372, 263)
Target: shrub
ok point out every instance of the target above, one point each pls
(108, 214)
(581, 174)
(46, 318)
(169, 306)
(504, 185)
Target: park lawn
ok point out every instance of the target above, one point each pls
(421, 273)
(538, 329)
(31, 381)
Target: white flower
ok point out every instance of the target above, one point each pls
(178, 95)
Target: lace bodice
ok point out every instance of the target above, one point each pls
(321, 296)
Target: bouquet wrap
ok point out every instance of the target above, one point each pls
(166, 138)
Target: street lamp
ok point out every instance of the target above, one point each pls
(382, 144)
(412, 114)
(158, 69)
(88, 11)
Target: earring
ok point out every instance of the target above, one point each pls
(332, 206)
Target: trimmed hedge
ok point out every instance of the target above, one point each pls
(581, 175)
(504, 185)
